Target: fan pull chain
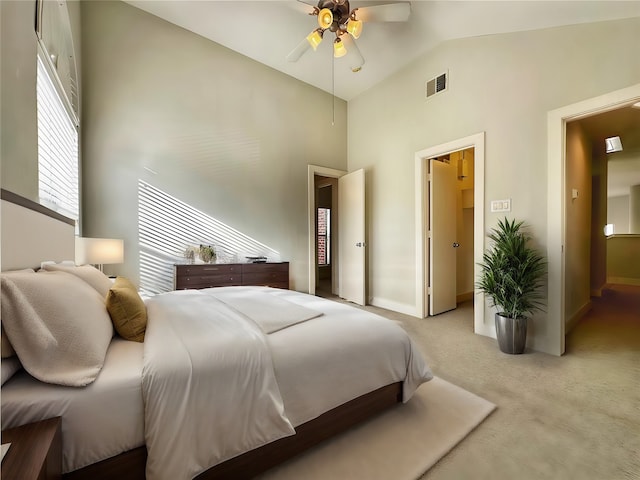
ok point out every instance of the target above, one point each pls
(333, 90)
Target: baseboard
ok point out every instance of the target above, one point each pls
(597, 292)
(393, 306)
(573, 321)
(464, 297)
(623, 281)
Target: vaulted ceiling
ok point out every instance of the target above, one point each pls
(267, 31)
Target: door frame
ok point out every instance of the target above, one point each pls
(556, 195)
(477, 142)
(312, 171)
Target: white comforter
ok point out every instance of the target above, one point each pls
(209, 385)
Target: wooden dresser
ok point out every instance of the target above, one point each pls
(229, 274)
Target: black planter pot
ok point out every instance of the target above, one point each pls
(511, 333)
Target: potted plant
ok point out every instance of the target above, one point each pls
(207, 253)
(511, 275)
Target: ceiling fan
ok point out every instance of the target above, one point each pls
(337, 17)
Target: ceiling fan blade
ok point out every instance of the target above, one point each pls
(390, 12)
(354, 55)
(304, 6)
(300, 50)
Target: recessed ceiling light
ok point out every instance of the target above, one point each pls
(636, 105)
(613, 144)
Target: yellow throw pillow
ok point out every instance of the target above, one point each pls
(127, 310)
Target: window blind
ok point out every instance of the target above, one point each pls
(57, 149)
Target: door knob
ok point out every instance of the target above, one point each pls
(456, 244)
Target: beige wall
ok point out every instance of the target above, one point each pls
(598, 221)
(221, 132)
(578, 223)
(19, 146)
(503, 85)
(618, 213)
(620, 249)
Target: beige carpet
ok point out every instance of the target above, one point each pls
(400, 444)
(558, 418)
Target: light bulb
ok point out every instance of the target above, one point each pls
(339, 49)
(314, 38)
(354, 27)
(325, 18)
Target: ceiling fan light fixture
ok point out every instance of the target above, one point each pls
(314, 38)
(325, 18)
(354, 27)
(339, 49)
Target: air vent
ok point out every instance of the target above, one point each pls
(436, 85)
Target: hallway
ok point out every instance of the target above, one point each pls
(613, 324)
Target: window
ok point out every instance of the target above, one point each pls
(324, 236)
(57, 147)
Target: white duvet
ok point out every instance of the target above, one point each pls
(210, 388)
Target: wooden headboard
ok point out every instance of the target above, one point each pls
(32, 233)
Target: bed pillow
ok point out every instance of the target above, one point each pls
(88, 273)
(6, 349)
(127, 310)
(5, 346)
(58, 326)
(9, 367)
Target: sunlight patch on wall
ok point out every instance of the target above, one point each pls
(167, 226)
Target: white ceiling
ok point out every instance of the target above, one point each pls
(267, 31)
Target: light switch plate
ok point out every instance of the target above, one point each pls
(501, 205)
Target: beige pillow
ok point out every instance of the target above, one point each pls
(6, 349)
(5, 346)
(58, 326)
(88, 273)
(9, 367)
(127, 310)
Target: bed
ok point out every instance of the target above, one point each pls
(228, 382)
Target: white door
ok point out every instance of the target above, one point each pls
(351, 230)
(442, 244)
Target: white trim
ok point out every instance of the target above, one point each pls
(312, 171)
(477, 142)
(44, 56)
(556, 130)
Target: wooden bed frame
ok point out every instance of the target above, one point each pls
(32, 233)
(131, 465)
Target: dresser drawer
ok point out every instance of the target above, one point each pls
(205, 269)
(224, 275)
(268, 274)
(206, 281)
(265, 268)
(207, 275)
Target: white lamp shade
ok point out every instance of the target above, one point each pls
(99, 251)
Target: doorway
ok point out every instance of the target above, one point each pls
(450, 231)
(322, 177)
(326, 225)
(556, 195)
(474, 197)
(606, 181)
